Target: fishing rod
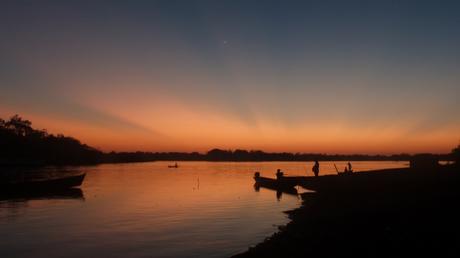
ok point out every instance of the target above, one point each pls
(336, 169)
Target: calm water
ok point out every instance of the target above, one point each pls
(201, 209)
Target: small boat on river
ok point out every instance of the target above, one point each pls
(42, 185)
(282, 183)
(173, 166)
(371, 181)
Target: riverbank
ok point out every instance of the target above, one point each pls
(399, 221)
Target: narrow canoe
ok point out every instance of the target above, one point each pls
(43, 184)
(282, 183)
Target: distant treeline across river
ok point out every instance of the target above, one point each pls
(23, 145)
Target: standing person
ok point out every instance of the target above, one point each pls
(279, 174)
(349, 167)
(315, 168)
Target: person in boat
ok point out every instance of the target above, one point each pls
(279, 174)
(315, 168)
(348, 169)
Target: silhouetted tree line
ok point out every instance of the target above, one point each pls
(254, 155)
(456, 155)
(20, 144)
(23, 145)
(244, 155)
(116, 157)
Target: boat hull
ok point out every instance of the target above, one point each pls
(282, 183)
(384, 180)
(43, 185)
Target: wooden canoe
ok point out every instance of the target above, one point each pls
(281, 183)
(42, 185)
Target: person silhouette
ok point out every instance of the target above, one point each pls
(279, 174)
(315, 168)
(349, 167)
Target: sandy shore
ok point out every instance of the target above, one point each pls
(400, 221)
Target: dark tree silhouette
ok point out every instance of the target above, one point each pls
(456, 154)
(218, 155)
(19, 126)
(23, 145)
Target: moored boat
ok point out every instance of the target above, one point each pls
(378, 180)
(42, 185)
(279, 183)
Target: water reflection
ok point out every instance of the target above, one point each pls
(71, 193)
(20, 199)
(200, 209)
(26, 184)
(15, 205)
(279, 192)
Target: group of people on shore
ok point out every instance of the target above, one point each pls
(348, 169)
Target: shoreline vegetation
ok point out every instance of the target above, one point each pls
(22, 145)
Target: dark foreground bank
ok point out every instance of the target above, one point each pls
(422, 219)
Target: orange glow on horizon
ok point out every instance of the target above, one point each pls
(190, 130)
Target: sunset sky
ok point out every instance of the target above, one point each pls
(301, 76)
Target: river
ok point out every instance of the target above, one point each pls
(200, 209)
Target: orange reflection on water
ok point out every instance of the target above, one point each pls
(201, 209)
